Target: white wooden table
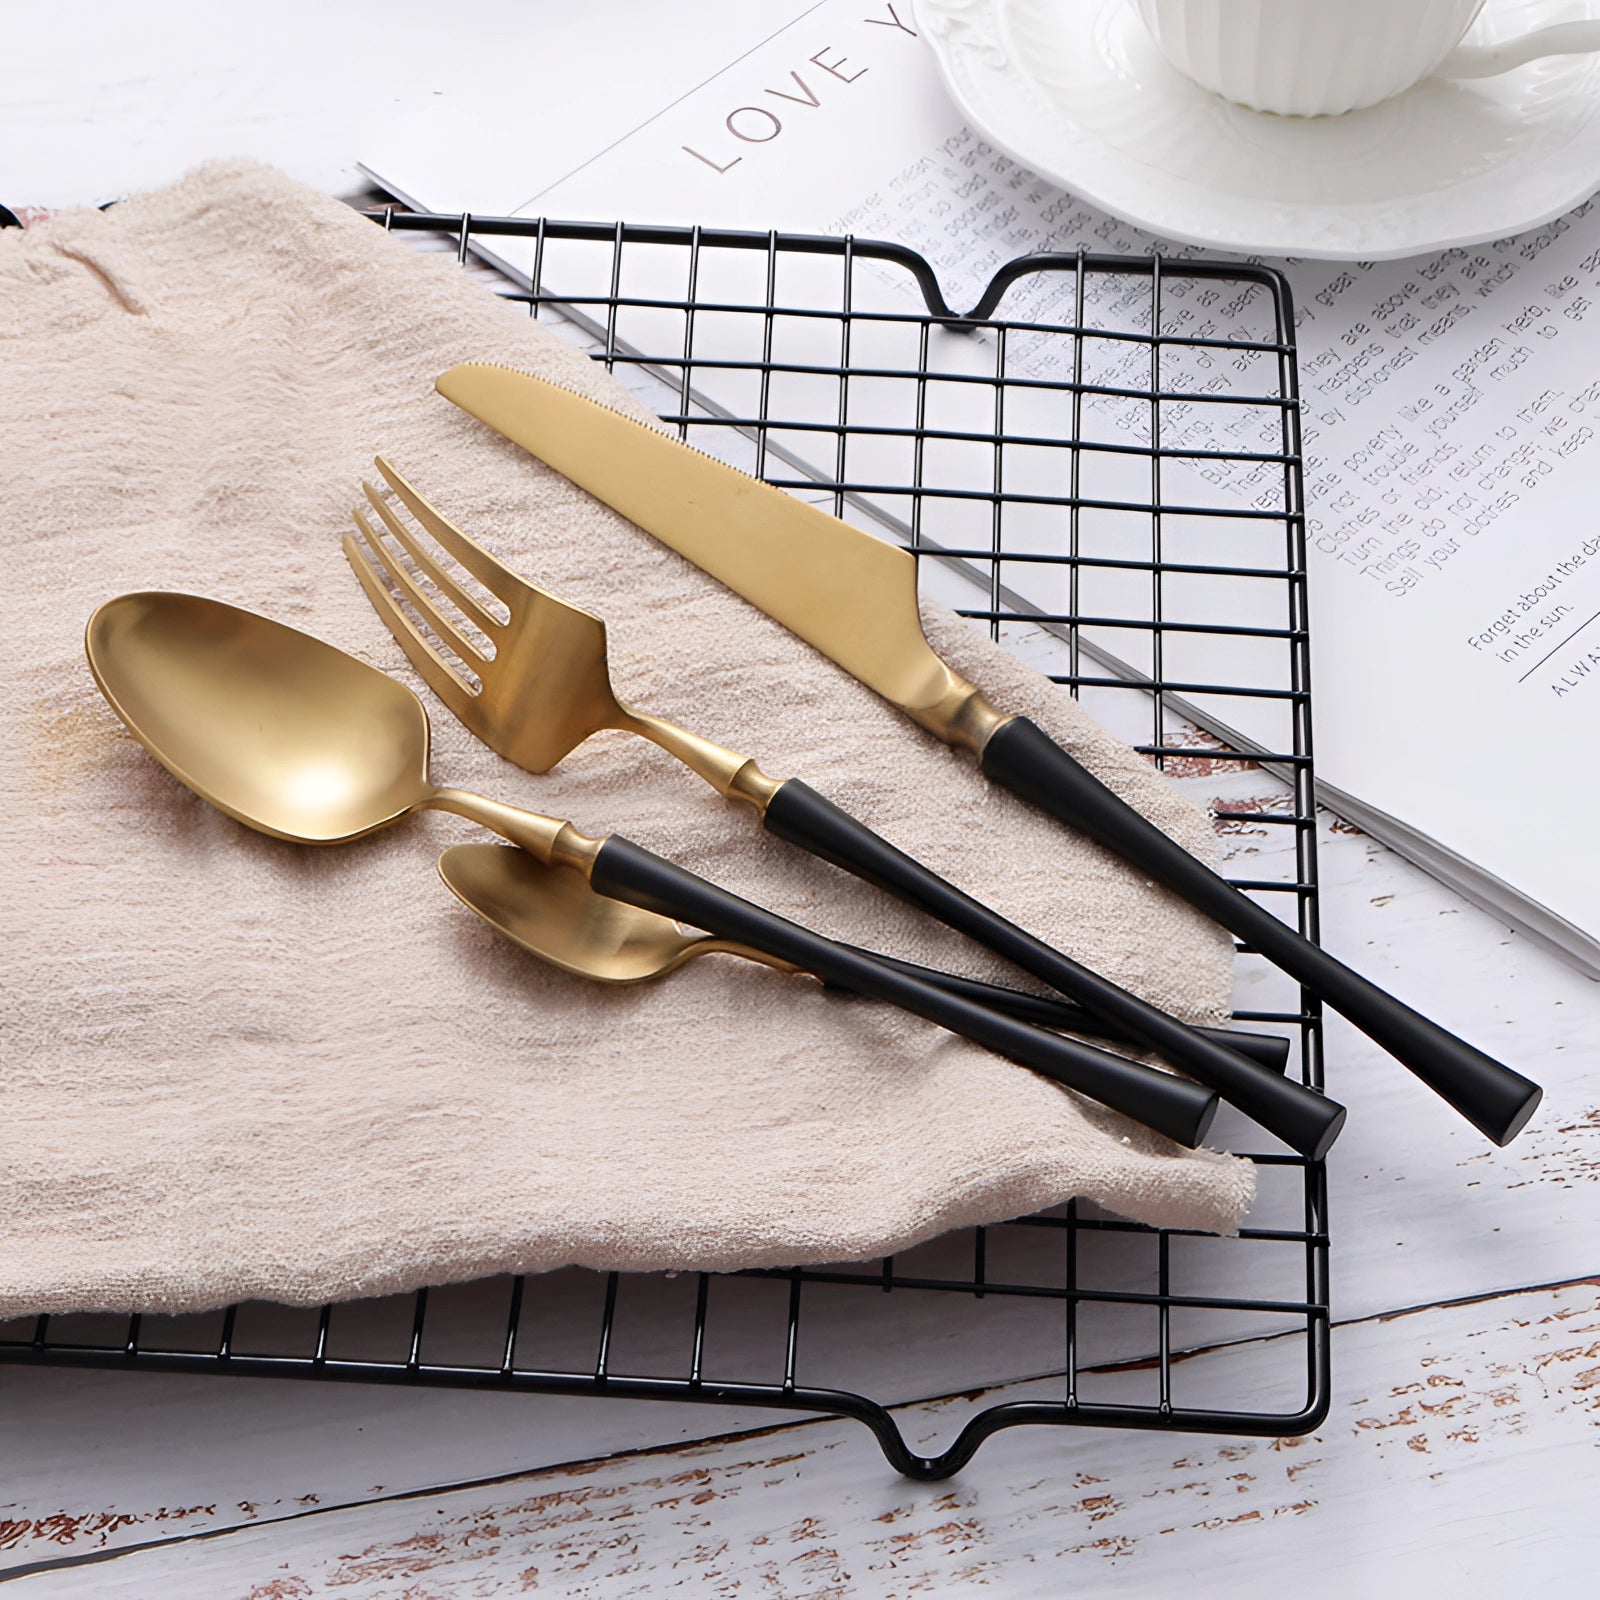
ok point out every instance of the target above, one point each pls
(1463, 1442)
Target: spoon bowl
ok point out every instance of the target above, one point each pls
(285, 733)
(554, 914)
(281, 731)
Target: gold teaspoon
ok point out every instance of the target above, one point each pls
(559, 917)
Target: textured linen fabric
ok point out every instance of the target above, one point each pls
(232, 1066)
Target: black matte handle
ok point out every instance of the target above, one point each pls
(1305, 1120)
(1493, 1098)
(1268, 1050)
(1171, 1105)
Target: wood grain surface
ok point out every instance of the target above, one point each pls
(1459, 1454)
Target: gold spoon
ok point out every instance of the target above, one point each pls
(560, 918)
(298, 739)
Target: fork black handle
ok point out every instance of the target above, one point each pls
(1171, 1105)
(1267, 1050)
(1021, 757)
(1305, 1120)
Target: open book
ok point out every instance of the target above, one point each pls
(1451, 412)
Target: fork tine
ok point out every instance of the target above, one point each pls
(442, 678)
(496, 578)
(442, 580)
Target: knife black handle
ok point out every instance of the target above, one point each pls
(1305, 1120)
(1021, 757)
(1171, 1105)
(1267, 1050)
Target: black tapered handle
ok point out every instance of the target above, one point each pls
(1021, 757)
(1268, 1050)
(1171, 1105)
(1304, 1119)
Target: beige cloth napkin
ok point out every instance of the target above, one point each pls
(238, 1067)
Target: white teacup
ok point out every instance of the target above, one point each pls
(1314, 58)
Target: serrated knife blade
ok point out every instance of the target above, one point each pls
(848, 594)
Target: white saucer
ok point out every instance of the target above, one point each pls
(1077, 91)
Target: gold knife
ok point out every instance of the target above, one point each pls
(854, 597)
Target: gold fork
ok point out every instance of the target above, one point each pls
(545, 688)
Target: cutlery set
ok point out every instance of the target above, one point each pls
(299, 740)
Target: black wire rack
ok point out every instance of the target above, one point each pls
(1108, 477)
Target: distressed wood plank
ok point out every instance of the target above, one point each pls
(1462, 1450)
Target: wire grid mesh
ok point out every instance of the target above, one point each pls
(1107, 477)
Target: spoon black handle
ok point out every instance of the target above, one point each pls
(1171, 1105)
(1267, 1050)
(1304, 1119)
(1024, 759)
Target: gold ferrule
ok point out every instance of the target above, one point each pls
(751, 785)
(961, 716)
(733, 776)
(575, 850)
(540, 836)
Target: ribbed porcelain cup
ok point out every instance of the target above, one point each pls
(1315, 58)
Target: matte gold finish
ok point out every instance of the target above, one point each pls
(562, 920)
(850, 595)
(543, 682)
(281, 731)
